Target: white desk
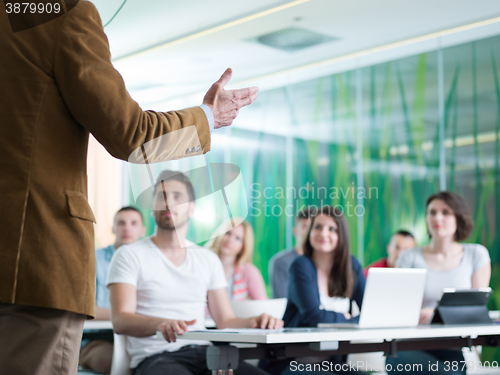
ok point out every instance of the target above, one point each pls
(289, 343)
(304, 335)
(97, 324)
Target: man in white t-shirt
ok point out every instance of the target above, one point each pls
(164, 282)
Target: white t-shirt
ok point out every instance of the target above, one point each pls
(165, 290)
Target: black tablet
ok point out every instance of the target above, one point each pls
(466, 306)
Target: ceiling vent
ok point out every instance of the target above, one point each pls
(292, 39)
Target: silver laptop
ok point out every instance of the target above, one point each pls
(392, 298)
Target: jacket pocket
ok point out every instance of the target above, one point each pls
(78, 206)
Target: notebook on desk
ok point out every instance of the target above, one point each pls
(392, 298)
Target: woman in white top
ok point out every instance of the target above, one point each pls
(449, 264)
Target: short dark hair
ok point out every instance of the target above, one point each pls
(404, 233)
(457, 203)
(341, 279)
(306, 213)
(129, 208)
(168, 175)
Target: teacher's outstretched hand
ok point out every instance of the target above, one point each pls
(225, 104)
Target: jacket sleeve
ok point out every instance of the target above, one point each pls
(303, 292)
(95, 93)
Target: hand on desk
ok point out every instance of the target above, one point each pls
(266, 321)
(225, 104)
(426, 315)
(170, 328)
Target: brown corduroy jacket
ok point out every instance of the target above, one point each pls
(57, 84)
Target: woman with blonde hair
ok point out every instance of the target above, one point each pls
(235, 249)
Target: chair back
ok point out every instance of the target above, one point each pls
(246, 309)
(121, 360)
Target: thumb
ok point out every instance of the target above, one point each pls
(225, 77)
(191, 322)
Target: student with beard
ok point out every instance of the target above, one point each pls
(164, 282)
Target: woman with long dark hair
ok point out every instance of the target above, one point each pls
(323, 282)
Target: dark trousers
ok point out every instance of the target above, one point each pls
(39, 341)
(186, 361)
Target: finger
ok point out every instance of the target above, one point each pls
(170, 333)
(165, 334)
(164, 331)
(191, 322)
(246, 101)
(264, 319)
(225, 77)
(176, 328)
(183, 325)
(280, 324)
(277, 323)
(272, 322)
(254, 323)
(243, 93)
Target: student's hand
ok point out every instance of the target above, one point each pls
(347, 316)
(426, 315)
(170, 328)
(225, 104)
(266, 321)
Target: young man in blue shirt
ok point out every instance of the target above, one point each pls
(128, 226)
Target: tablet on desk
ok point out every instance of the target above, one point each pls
(466, 306)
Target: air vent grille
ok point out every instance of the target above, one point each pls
(293, 39)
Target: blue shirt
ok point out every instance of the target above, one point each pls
(103, 258)
(303, 307)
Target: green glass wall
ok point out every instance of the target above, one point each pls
(377, 140)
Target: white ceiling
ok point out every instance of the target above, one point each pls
(163, 75)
